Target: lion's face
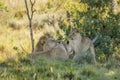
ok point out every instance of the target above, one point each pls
(69, 48)
(51, 42)
(43, 39)
(74, 34)
(74, 40)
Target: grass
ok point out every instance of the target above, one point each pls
(14, 64)
(50, 69)
(12, 41)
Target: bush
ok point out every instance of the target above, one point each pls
(94, 18)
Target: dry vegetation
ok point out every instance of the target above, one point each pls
(14, 30)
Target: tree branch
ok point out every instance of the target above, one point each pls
(30, 16)
(27, 10)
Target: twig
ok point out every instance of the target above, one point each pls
(30, 17)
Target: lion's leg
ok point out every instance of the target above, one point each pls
(77, 57)
(92, 51)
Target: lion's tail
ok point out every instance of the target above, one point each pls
(95, 39)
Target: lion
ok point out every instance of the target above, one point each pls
(81, 44)
(60, 50)
(41, 42)
(55, 49)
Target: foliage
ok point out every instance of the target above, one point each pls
(118, 1)
(95, 18)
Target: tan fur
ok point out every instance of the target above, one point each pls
(59, 50)
(53, 48)
(81, 44)
(41, 42)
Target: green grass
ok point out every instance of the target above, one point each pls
(50, 69)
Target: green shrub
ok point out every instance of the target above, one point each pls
(95, 18)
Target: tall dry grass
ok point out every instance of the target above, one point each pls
(14, 30)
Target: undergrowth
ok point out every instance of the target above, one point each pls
(50, 69)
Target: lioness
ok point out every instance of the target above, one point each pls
(81, 44)
(60, 50)
(55, 49)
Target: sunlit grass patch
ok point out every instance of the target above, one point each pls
(12, 41)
